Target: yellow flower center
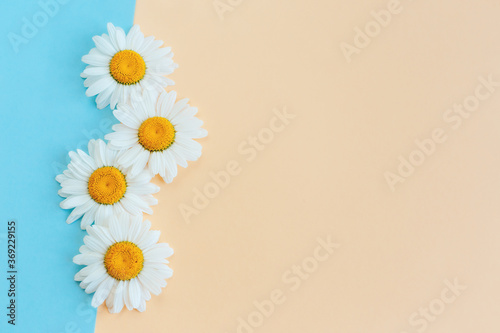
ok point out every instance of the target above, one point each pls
(124, 260)
(107, 185)
(127, 67)
(156, 134)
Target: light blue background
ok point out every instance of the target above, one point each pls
(44, 115)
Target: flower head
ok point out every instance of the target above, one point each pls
(96, 186)
(158, 133)
(124, 262)
(121, 67)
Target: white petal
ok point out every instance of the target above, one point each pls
(153, 162)
(171, 167)
(117, 37)
(87, 271)
(127, 119)
(101, 233)
(130, 156)
(134, 292)
(95, 244)
(126, 297)
(144, 189)
(99, 86)
(140, 163)
(89, 216)
(102, 292)
(130, 206)
(87, 258)
(142, 306)
(149, 200)
(103, 214)
(151, 280)
(160, 250)
(74, 201)
(149, 239)
(138, 204)
(103, 97)
(104, 46)
(166, 103)
(98, 70)
(117, 304)
(178, 107)
(134, 228)
(115, 96)
(134, 37)
(79, 211)
(96, 59)
(94, 279)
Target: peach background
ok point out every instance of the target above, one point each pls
(324, 174)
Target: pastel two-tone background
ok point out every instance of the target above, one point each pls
(349, 182)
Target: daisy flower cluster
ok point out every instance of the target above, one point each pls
(109, 187)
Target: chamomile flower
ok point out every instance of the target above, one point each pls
(124, 262)
(97, 187)
(121, 66)
(158, 133)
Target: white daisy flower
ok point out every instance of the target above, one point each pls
(124, 263)
(97, 187)
(157, 133)
(122, 66)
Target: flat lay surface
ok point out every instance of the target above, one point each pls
(348, 182)
(45, 114)
(321, 173)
